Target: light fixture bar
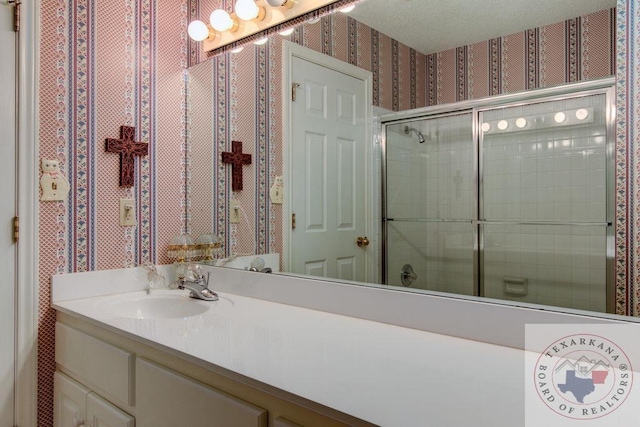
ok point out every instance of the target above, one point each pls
(568, 117)
(283, 11)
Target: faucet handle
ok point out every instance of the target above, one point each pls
(194, 272)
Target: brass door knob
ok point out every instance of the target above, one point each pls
(362, 241)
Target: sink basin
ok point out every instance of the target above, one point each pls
(159, 305)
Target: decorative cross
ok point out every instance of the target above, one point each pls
(237, 159)
(127, 147)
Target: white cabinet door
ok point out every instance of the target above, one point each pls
(70, 402)
(165, 398)
(101, 413)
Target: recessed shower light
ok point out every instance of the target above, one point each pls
(503, 124)
(559, 117)
(582, 114)
(486, 127)
(521, 122)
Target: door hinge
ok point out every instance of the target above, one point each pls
(293, 221)
(294, 86)
(16, 14)
(16, 229)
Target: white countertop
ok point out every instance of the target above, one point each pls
(383, 374)
(386, 357)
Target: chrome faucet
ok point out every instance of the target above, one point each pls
(198, 286)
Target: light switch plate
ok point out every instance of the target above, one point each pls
(234, 212)
(127, 212)
(276, 193)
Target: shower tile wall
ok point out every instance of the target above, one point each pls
(553, 174)
(429, 185)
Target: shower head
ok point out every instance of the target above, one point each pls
(408, 130)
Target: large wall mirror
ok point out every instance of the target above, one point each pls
(429, 58)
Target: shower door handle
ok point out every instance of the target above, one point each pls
(362, 241)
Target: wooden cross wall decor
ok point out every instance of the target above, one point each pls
(127, 147)
(237, 159)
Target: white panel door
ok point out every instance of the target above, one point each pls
(328, 188)
(7, 212)
(70, 400)
(101, 413)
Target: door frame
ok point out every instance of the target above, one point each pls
(292, 50)
(27, 265)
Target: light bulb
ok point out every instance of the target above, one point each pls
(261, 41)
(286, 32)
(521, 122)
(559, 117)
(347, 9)
(221, 20)
(247, 10)
(486, 127)
(281, 3)
(582, 114)
(313, 21)
(198, 31)
(503, 124)
(237, 50)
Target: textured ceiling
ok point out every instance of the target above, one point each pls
(436, 25)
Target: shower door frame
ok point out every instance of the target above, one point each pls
(605, 86)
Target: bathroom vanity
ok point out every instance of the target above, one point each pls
(282, 351)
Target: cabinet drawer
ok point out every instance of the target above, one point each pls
(167, 399)
(96, 363)
(281, 422)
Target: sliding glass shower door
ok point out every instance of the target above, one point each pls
(510, 200)
(544, 202)
(430, 204)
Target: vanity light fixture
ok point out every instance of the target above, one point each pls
(261, 41)
(248, 10)
(347, 9)
(281, 3)
(582, 114)
(254, 18)
(568, 117)
(221, 21)
(199, 31)
(286, 32)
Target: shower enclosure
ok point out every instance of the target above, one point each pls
(509, 197)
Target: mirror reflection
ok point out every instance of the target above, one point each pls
(420, 59)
